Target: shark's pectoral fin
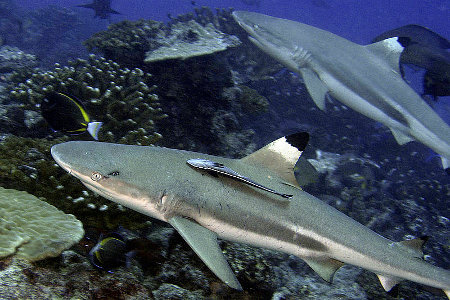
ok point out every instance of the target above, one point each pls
(400, 137)
(389, 50)
(388, 282)
(324, 267)
(204, 243)
(316, 88)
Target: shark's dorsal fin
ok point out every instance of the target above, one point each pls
(324, 267)
(316, 88)
(204, 243)
(389, 50)
(281, 155)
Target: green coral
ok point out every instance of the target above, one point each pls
(123, 99)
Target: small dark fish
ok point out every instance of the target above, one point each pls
(67, 114)
(102, 8)
(110, 252)
(425, 49)
(217, 168)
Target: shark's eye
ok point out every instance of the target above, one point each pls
(96, 176)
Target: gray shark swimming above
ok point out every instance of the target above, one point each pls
(365, 78)
(203, 206)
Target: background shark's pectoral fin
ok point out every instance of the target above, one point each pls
(204, 243)
(400, 137)
(388, 282)
(316, 88)
(389, 50)
(324, 267)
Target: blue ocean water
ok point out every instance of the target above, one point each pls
(398, 191)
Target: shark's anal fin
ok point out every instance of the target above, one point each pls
(316, 88)
(400, 137)
(204, 243)
(324, 267)
(389, 50)
(388, 282)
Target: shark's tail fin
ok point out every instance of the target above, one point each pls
(282, 155)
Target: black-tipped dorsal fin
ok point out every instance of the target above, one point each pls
(281, 155)
(390, 50)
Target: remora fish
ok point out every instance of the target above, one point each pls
(365, 78)
(157, 182)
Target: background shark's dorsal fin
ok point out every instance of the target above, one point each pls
(281, 155)
(389, 50)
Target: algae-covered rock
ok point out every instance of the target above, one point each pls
(34, 229)
(190, 39)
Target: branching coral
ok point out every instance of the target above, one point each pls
(122, 98)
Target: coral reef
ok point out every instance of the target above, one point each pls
(12, 58)
(123, 99)
(33, 229)
(207, 110)
(127, 42)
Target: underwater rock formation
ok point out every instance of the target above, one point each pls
(123, 99)
(194, 91)
(33, 229)
(190, 39)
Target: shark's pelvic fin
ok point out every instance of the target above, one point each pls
(400, 137)
(281, 155)
(324, 267)
(204, 243)
(316, 88)
(389, 50)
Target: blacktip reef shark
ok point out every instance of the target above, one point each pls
(365, 78)
(204, 202)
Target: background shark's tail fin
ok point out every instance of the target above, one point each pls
(281, 155)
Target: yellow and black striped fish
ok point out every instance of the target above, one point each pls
(67, 114)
